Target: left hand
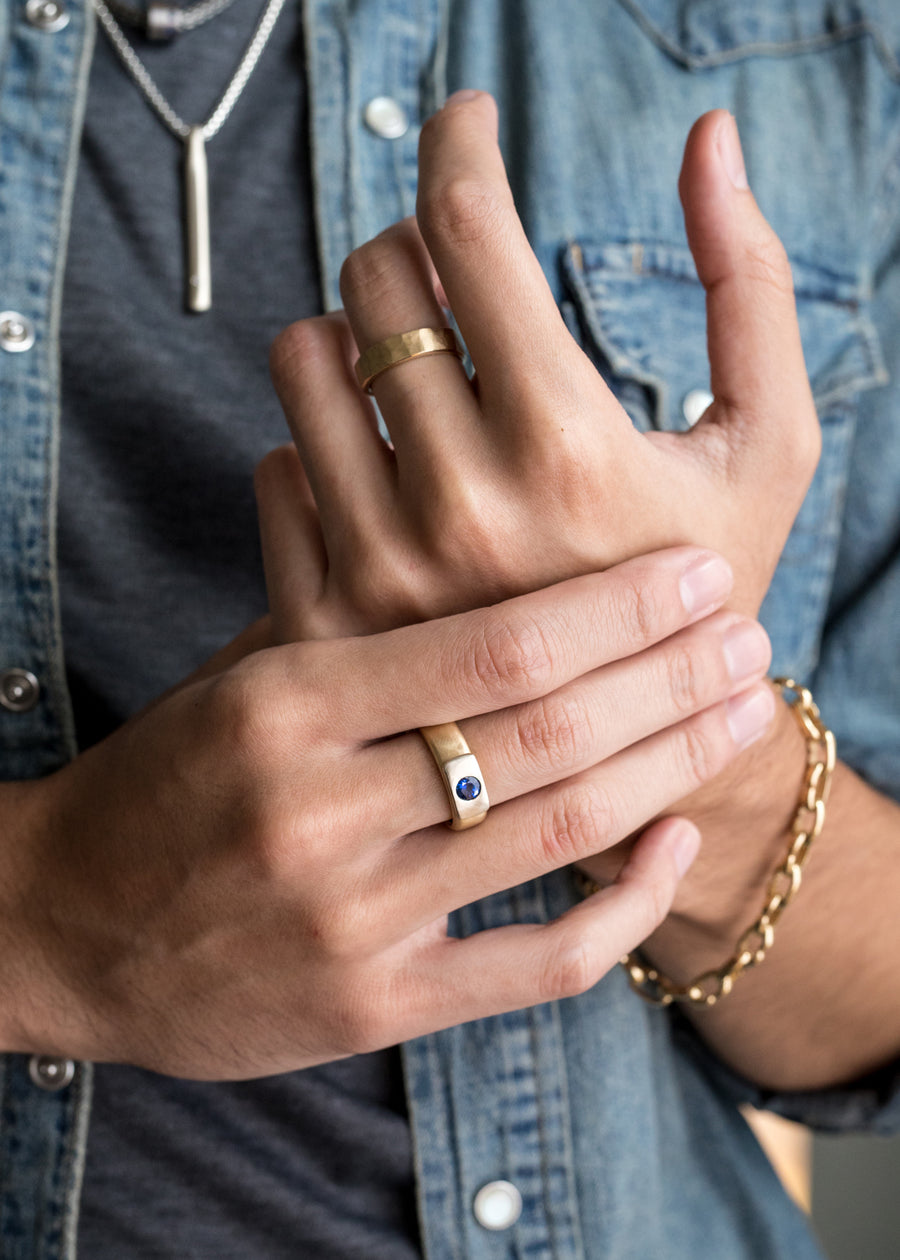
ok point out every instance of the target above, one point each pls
(533, 472)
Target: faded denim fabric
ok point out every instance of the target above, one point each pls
(619, 1129)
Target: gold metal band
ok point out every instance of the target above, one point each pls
(461, 774)
(402, 346)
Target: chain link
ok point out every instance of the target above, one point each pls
(155, 98)
(755, 943)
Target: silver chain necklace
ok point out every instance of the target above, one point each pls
(196, 186)
(163, 21)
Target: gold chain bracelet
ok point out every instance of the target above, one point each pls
(806, 827)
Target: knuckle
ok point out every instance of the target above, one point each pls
(551, 730)
(698, 752)
(767, 264)
(569, 972)
(640, 611)
(463, 210)
(579, 820)
(305, 342)
(341, 928)
(511, 656)
(470, 534)
(260, 707)
(382, 590)
(656, 902)
(373, 271)
(684, 678)
(236, 709)
(278, 850)
(366, 1013)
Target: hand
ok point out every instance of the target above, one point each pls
(252, 875)
(533, 472)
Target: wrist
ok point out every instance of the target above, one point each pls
(25, 813)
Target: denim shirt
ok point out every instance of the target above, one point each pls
(618, 1128)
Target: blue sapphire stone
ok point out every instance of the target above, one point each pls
(468, 788)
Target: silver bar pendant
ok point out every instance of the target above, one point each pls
(196, 200)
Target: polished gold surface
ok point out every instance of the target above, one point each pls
(456, 761)
(400, 347)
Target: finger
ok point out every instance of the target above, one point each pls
(349, 466)
(388, 286)
(757, 369)
(293, 550)
(498, 293)
(505, 969)
(440, 870)
(481, 661)
(582, 724)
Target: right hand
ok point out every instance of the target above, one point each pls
(252, 875)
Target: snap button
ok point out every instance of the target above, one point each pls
(19, 690)
(386, 117)
(694, 404)
(47, 15)
(49, 1073)
(498, 1205)
(16, 332)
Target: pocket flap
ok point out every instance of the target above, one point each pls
(644, 308)
(705, 33)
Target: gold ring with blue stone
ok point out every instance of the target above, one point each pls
(460, 772)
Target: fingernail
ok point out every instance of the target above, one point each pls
(746, 650)
(750, 715)
(705, 583)
(729, 144)
(685, 846)
(464, 94)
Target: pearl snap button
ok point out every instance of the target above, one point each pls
(694, 404)
(386, 117)
(19, 690)
(16, 332)
(47, 15)
(498, 1205)
(49, 1073)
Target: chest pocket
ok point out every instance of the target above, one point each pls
(705, 33)
(639, 312)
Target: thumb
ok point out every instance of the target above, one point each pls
(758, 376)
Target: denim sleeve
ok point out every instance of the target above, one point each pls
(870, 1104)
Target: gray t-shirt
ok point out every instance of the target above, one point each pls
(165, 415)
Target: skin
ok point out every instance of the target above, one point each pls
(556, 482)
(232, 885)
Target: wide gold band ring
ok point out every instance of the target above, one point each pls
(461, 774)
(402, 346)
